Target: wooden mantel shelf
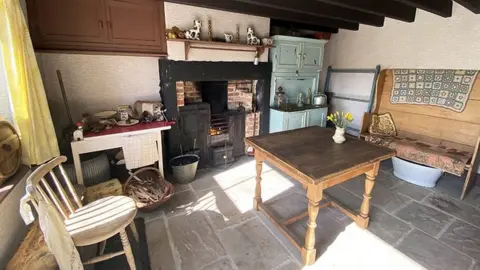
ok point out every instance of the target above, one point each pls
(220, 46)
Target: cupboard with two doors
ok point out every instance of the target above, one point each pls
(104, 26)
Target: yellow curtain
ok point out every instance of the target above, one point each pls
(30, 108)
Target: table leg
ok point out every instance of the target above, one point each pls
(314, 194)
(258, 187)
(78, 167)
(363, 218)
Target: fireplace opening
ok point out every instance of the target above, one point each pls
(217, 116)
(215, 94)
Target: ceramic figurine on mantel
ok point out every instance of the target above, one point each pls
(237, 35)
(194, 33)
(341, 121)
(228, 38)
(251, 38)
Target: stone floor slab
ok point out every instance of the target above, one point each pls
(347, 198)
(328, 228)
(464, 238)
(290, 265)
(433, 254)
(221, 209)
(222, 264)
(289, 204)
(195, 241)
(425, 218)
(180, 203)
(387, 179)
(386, 227)
(159, 250)
(415, 192)
(450, 184)
(382, 196)
(252, 246)
(455, 208)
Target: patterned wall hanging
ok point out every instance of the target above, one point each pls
(445, 88)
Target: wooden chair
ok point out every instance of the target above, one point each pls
(90, 224)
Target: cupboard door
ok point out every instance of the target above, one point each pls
(317, 117)
(287, 55)
(312, 56)
(295, 120)
(67, 21)
(137, 22)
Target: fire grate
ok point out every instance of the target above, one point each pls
(219, 124)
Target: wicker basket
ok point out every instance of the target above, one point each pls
(148, 180)
(10, 151)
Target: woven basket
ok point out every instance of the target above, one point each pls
(141, 180)
(10, 151)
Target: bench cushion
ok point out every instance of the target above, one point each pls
(447, 159)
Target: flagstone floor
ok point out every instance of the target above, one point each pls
(210, 224)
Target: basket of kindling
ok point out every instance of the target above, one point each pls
(148, 188)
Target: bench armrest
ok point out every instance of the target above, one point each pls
(366, 121)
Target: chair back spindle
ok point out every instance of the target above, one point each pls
(55, 194)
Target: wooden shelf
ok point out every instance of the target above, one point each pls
(220, 46)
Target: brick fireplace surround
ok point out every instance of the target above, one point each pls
(239, 92)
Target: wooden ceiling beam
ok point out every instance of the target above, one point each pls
(316, 8)
(472, 5)
(302, 26)
(391, 9)
(439, 7)
(273, 13)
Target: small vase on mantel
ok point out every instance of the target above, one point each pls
(339, 136)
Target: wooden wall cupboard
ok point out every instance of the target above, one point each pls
(282, 121)
(297, 55)
(110, 26)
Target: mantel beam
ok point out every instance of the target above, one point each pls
(319, 9)
(385, 8)
(274, 13)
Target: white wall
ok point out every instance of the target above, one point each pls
(101, 82)
(429, 42)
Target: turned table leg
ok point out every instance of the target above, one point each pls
(363, 218)
(258, 187)
(314, 195)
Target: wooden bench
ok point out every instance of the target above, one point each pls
(431, 124)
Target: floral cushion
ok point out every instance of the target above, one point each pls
(382, 124)
(447, 159)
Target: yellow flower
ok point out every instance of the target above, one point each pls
(349, 117)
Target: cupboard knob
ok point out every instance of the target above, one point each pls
(304, 56)
(101, 24)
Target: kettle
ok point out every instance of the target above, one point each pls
(320, 100)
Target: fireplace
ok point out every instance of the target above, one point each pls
(216, 105)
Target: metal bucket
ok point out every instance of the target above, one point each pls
(184, 168)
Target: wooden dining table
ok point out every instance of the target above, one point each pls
(311, 157)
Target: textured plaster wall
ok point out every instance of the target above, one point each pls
(101, 82)
(429, 42)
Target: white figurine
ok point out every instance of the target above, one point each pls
(194, 33)
(251, 38)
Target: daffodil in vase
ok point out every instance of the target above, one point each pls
(341, 121)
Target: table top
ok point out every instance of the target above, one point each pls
(312, 152)
(137, 127)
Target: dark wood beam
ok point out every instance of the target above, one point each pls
(274, 13)
(439, 7)
(303, 26)
(316, 8)
(385, 8)
(472, 5)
